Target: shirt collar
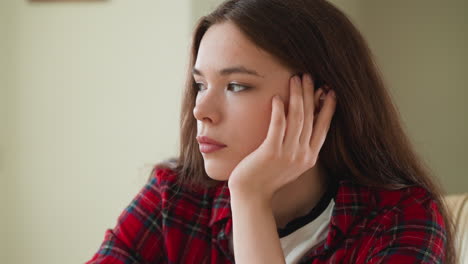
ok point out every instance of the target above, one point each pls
(221, 207)
(351, 202)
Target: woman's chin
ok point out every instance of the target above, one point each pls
(217, 176)
(216, 172)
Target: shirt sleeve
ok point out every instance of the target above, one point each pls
(416, 234)
(137, 237)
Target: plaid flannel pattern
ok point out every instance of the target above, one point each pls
(168, 224)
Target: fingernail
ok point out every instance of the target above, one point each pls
(332, 93)
(297, 79)
(322, 96)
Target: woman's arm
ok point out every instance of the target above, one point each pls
(254, 232)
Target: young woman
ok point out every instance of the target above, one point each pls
(291, 152)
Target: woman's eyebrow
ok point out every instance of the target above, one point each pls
(230, 70)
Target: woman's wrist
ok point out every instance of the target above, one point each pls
(244, 199)
(254, 229)
(251, 195)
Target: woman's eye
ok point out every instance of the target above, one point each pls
(199, 86)
(236, 87)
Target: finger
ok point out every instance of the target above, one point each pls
(322, 124)
(295, 114)
(308, 90)
(277, 125)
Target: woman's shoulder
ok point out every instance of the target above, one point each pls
(410, 200)
(382, 209)
(379, 197)
(163, 176)
(412, 205)
(165, 180)
(402, 210)
(391, 225)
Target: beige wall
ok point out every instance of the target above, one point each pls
(7, 14)
(90, 96)
(202, 7)
(421, 49)
(93, 98)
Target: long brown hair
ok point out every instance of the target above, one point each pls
(366, 141)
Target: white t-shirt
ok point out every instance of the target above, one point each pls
(303, 233)
(298, 243)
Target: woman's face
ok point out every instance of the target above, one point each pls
(236, 83)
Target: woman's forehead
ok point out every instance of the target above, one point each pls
(224, 46)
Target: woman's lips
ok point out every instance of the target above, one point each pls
(208, 148)
(208, 140)
(208, 145)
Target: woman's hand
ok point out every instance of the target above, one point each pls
(292, 144)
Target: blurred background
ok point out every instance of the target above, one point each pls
(90, 94)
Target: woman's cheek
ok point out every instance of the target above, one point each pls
(257, 129)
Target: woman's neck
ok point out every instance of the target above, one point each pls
(299, 197)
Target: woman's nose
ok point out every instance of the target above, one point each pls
(207, 107)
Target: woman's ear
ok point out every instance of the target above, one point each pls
(318, 83)
(319, 97)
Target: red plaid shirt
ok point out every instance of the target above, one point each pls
(166, 225)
